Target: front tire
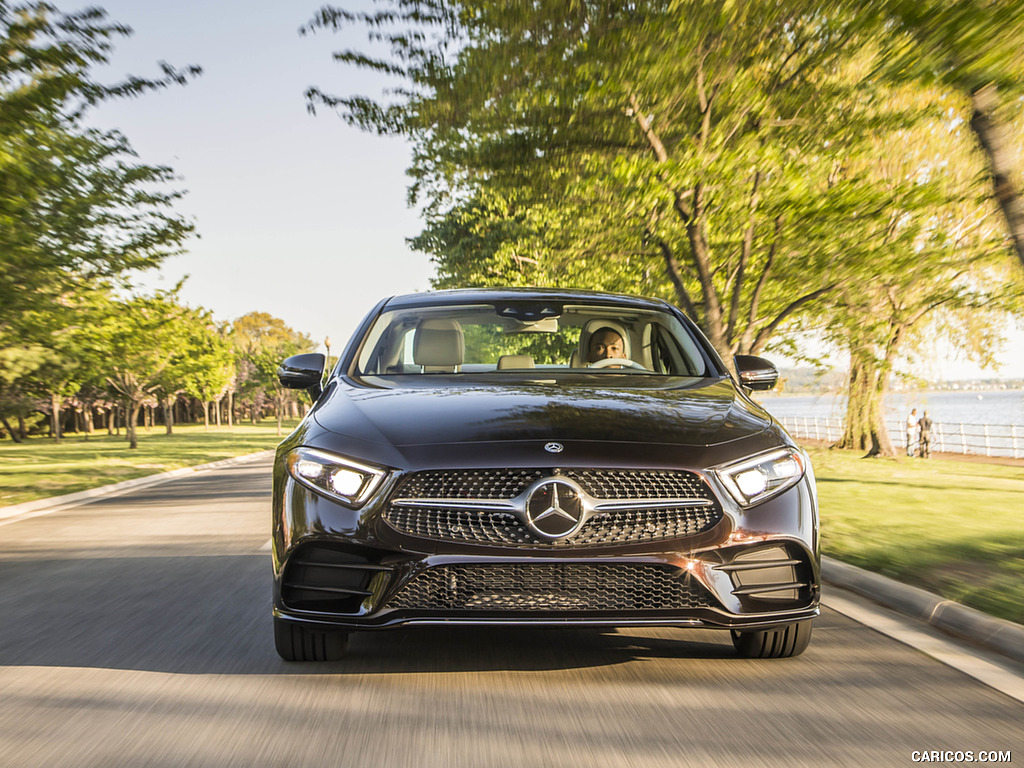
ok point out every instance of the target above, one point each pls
(783, 642)
(295, 642)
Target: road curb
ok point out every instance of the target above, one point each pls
(998, 635)
(84, 497)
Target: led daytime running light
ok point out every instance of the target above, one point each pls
(758, 478)
(349, 481)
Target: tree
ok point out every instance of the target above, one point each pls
(262, 341)
(206, 363)
(668, 146)
(76, 207)
(936, 248)
(142, 336)
(19, 367)
(975, 47)
(730, 157)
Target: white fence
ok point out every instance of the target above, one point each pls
(983, 439)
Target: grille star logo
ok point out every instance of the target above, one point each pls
(554, 509)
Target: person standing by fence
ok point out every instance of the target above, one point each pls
(912, 421)
(924, 436)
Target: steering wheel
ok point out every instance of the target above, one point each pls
(625, 362)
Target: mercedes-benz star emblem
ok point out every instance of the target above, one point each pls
(554, 447)
(554, 509)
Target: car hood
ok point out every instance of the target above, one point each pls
(695, 413)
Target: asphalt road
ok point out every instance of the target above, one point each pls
(136, 631)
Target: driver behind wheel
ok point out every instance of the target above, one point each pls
(605, 343)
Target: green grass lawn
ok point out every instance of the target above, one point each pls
(955, 528)
(39, 468)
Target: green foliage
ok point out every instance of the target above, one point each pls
(205, 362)
(261, 342)
(765, 165)
(75, 205)
(78, 211)
(963, 43)
(678, 149)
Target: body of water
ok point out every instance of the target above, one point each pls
(995, 407)
(989, 423)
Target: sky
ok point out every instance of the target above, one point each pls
(298, 215)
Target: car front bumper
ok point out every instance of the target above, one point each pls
(349, 569)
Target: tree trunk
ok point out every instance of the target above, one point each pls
(206, 414)
(993, 142)
(132, 411)
(217, 405)
(864, 427)
(55, 403)
(169, 414)
(10, 430)
(231, 409)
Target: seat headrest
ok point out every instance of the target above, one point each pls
(515, 361)
(438, 342)
(591, 327)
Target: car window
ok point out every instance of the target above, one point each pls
(524, 338)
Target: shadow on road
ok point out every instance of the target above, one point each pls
(210, 614)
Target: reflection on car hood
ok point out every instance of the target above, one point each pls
(698, 412)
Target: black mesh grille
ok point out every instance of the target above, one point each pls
(619, 527)
(552, 587)
(639, 484)
(504, 529)
(507, 483)
(468, 483)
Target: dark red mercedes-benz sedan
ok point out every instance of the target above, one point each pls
(544, 458)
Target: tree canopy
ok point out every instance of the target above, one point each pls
(76, 206)
(733, 158)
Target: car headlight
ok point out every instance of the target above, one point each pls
(760, 477)
(351, 482)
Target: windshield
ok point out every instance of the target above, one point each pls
(524, 336)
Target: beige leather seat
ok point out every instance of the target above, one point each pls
(515, 361)
(439, 346)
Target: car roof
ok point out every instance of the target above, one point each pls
(485, 295)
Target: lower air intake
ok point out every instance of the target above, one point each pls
(544, 587)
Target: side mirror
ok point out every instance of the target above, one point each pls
(756, 372)
(303, 372)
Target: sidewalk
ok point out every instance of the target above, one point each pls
(977, 458)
